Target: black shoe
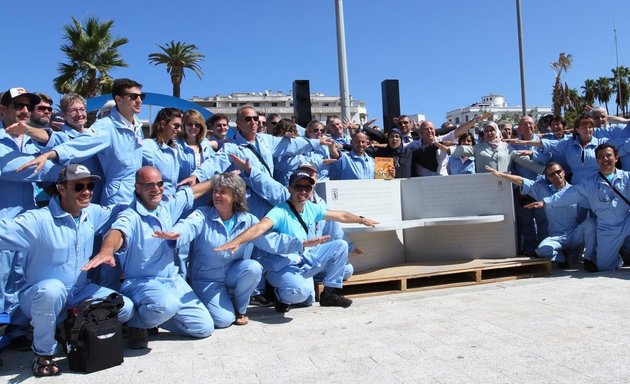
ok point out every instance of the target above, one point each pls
(589, 266)
(332, 299)
(260, 301)
(138, 338)
(564, 265)
(281, 307)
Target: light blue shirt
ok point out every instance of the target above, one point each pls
(119, 150)
(350, 166)
(55, 246)
(561, 220)
(165, 159)
(145, 256)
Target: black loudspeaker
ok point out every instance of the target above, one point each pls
(302, 102)
(391, 103)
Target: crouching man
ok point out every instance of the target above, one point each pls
(56, 242)
(292, 274)
(152, 280)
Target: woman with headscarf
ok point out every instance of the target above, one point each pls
(492, 151)
(396, 150)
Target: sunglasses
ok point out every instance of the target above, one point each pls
(303, 188)
(250, 118)
(20, 106)
(317, 129)
(133, 96)
(158, 184)
(557, 173)
(43, 108)
(79, 187)
(193, 125)
(273, 123)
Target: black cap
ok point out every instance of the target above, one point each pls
(300, 175)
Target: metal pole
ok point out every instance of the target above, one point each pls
(520, 55)
(341, 58)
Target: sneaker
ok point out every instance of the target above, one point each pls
(334, 299)
(589, 266)
(281, 307)
(138, 338)
(260, 301)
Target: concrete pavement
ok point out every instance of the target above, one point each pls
(570, 327)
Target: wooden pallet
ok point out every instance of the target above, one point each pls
(441, 274)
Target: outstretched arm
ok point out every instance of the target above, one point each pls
(250, 234)
(347, 217)
(514, 179)
(112, 243)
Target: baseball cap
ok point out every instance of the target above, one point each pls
(300, 175)
(308, 165)
(75, 172)
(12, 93)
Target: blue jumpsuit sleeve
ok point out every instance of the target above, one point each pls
(10, 161)
(83, 147)
(17, 234)
(284, 146)
(218, 163)
(264, 185)
(189, 228)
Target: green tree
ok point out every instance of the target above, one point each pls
(603, 90)
(92, 53)
(178, 56)
(589, 90)
(621, 88)
(561, 66)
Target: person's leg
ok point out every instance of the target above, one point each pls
(215, 296)
(192, 318)
(155, 303)
(609, 241)
(550, 248)
(331, 259)
(291, 287)
(243, 276)
(43, 303)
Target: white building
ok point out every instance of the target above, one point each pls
(268, 102)
(498, 106)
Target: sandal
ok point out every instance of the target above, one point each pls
(44, 366)
(241, 319)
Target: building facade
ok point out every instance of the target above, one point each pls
(268, 102)
(499, 108)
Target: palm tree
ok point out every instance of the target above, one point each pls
(177, 56)
(604, 91)
(92, 53)
(562, 65)
(590, 91)
(621, 88)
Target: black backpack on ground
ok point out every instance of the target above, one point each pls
(93, 335)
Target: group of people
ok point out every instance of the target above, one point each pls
(182, 263)
(92, 210)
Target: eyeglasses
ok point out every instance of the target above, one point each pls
(556, 173)
(193, 125)
(19, 106)
(74, 111)
(151, 185)
(79, 187)
(250, 118)
(303, 188)
(133, 96)
(43, 108)
(273, 123)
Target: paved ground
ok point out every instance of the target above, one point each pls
(567, 328)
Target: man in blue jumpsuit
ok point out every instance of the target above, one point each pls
(356, 164)
(152, 281)
(16, 188)
(116, 140)
(612, 223)
(57, 241)
(569, 229)
(292, 274)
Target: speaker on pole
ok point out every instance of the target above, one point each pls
(391, 103)
(302, 102)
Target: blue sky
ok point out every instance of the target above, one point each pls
(446, 54)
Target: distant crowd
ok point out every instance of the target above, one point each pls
(201, 220)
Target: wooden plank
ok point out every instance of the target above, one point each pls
(436, 275)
